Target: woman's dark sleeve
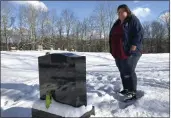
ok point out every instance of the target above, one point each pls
(137, 29)
(110, 38)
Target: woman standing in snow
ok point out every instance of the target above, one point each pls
(125, 41)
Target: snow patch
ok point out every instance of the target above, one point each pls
(20, 85)
(62, 109)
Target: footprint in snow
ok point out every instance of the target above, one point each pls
(99, 78)
(6, 102)
(17, 98)
(110, 78)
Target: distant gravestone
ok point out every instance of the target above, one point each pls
(64, 75)
(13, 49)
(39, 47)
(51, 49)
(47, 53)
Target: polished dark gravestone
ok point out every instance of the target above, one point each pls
(64, 75)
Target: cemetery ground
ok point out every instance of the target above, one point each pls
(20, 84)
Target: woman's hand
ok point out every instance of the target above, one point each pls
(133, 48)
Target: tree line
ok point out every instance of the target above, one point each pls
(66, 31)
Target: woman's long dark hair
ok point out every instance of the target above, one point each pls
(124, 6)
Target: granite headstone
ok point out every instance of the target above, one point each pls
(64, 75)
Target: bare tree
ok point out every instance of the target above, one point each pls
(91, 30)
(60, 26)
(111, 16)
(76, 29)
(6, 14)
(165, 18)
(31, 15)
(91, 25)
(68, 17)
(22, 29)
(157, 32)
(147, 35)
(43, 19)
(77, 33)
(84, 28)
(147, 29)
(101, 18)
(53, 20)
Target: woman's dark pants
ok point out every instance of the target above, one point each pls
(127, 72)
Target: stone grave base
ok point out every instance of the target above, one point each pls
(59, 110)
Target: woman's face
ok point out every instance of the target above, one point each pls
(122, 14)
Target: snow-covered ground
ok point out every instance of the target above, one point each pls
(20, 85)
